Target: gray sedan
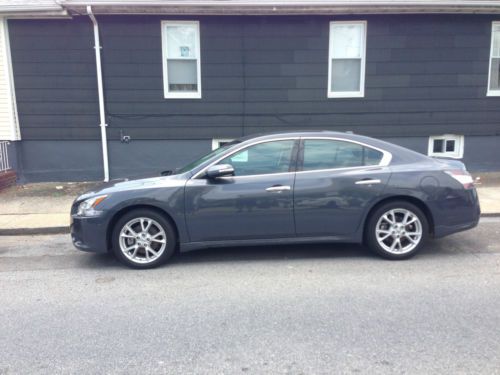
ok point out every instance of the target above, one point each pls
(298, 187)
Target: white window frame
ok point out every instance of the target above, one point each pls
(459, 146)
(347, 94)
(178, 94)
(492, 92)
(216, 142)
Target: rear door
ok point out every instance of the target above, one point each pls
(335, 182)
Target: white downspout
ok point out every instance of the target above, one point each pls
(100, 90)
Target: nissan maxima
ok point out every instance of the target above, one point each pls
(300, 187)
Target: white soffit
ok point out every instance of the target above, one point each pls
(271, 7)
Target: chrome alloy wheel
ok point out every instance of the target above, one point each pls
(142, 240)
(398, 231)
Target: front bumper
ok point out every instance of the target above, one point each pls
(89, 234)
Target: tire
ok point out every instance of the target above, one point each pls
(397, 241)
(143, 239)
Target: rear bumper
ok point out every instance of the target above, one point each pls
(89, 234)
(459, 214)
(444, 230)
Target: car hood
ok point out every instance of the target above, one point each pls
(134, 183)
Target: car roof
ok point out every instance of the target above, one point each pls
(295, 133)
(399, 154)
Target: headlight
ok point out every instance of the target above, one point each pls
(87, 207)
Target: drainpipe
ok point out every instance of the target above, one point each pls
(100, 90)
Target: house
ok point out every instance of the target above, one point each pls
(172, 79)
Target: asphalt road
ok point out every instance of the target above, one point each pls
(299, 310)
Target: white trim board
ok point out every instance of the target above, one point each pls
(9, 124)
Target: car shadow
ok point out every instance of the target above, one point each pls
(274, 252)
(244, 254)
(434, 248)
(451, 246)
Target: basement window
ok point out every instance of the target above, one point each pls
(494, 73)
(181, 59)
(219, 142)
(448, 145)
(346, 62)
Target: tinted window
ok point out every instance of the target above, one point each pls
(371, 156)
(203, 159)
(329, 154)
(264, 158)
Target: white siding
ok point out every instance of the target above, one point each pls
(9, 128)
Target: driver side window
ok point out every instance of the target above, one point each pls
(263, 158)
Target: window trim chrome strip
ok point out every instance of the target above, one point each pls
(384, 162)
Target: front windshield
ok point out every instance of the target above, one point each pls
(203, 159)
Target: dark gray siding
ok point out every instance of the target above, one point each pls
(426, 74)
(134, 83)
(46, 160)
(55, 78)
(153, 156)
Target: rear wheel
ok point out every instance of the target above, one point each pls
(397, 230)
(143, 239)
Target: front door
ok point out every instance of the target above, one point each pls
(336, 181)
(257, 202)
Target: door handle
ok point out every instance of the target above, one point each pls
(368, 181)
(278, 188)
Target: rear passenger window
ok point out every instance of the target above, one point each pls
(330, 154)
(372, 157)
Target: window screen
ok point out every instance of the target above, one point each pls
(494, 84)
(347, 54)
(181, 59)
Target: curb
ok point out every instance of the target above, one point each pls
(65, 230)
(493, 214)
(33, 231)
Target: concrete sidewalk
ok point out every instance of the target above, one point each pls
(44, 208)
(38, 208)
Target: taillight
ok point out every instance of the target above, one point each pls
(463, 177)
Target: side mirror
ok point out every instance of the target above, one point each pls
(220, 170)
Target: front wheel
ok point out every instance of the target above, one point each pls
(397, 230)
(143, 239)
